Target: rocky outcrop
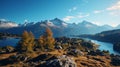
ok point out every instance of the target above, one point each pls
(7, 49)
(75, 52)
(61, 61)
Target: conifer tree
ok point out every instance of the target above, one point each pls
(31, 42)
(42, 42)
(27, 42)
(46, 41)
(49, 39)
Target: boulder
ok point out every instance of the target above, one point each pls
(61, 61)
(75, 52)
(58, 47)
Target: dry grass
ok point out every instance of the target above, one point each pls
(4, 56)
(57, 52)
(92, 61)
(81, 61)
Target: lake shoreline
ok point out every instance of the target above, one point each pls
(110, 44)
(114, 42)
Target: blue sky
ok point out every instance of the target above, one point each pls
(96, 11)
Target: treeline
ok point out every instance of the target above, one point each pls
(28, 43)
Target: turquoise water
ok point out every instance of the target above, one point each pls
(105, 46)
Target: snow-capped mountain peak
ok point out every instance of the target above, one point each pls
(87, 24)
(59, 22)
(59, 27)
(7, 24)
(49, 23)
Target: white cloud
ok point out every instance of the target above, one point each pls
(78, 16)
(98, 11)
(115, 7)
(8, 25)
(100, 23)
(112, 10)
(68, 18)
(115, 13)
(72, 9)
(82, 15)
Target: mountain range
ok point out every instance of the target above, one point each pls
(58, 26)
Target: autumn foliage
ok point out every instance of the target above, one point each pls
(27, 42)
(47, 41)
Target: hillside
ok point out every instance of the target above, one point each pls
(73, 52)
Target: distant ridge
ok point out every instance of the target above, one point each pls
(58, 26)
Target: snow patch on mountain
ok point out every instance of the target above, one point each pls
(7, 24)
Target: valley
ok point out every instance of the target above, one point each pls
(59, 33)
(68, 44)
(75, 52)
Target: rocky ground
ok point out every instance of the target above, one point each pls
(55, 59)
(73, 54)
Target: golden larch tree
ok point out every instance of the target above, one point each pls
(47, 40)
(27, 42)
